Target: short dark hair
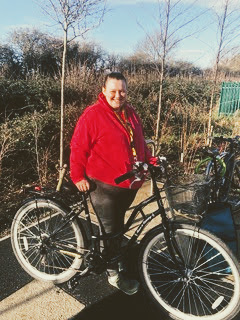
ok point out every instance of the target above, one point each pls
(114, 75)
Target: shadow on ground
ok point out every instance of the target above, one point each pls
(102, 301)
(120, 306)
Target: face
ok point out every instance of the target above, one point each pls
(115, 93)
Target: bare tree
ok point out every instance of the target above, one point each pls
(228, 21)
(76, 18)
(174, 18)
(7, 141)
(36, 51)
(42, 153)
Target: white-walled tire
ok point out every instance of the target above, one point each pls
(40, 253)
(205, 283)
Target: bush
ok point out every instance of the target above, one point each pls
(181, 93)
(29, 135)
(19, 97)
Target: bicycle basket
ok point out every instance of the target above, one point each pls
(188, 194)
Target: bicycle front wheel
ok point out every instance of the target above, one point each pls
(202, 281)
(46, 246)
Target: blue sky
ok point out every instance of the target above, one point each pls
(120, 32)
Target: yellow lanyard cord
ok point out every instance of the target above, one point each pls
(126, 124)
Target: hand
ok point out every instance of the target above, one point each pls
(83, 185)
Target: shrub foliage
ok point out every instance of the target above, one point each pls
(30, 121)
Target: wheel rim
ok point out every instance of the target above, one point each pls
(39, 252)
(204, 286)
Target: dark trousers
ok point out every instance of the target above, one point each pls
(110, 204)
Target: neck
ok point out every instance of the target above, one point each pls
(119, 109)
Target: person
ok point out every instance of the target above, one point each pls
(108, 139)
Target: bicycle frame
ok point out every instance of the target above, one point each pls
(186, 271)
(229, 159)
(166, 224)
(94, 250)
(138, 209)
(222, 176)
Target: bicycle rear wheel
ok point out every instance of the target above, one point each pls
(205, 283)
(235, 183)
(45, 245)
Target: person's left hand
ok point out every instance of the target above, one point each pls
(83, 185)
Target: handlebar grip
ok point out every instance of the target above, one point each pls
(125, 176)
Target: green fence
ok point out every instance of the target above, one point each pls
(229, 98)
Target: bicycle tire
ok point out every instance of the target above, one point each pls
(205, 285)
(35, 247)
(235, 181)
(222, 190)
(209, 164)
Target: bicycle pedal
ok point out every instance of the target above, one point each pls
(72, 284)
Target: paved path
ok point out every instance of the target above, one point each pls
(22, 298)
(39, 300)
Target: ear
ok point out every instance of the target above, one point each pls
(103, 90)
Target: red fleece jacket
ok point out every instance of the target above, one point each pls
(100, 146)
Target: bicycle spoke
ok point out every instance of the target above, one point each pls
(40, 233)
(193, 289)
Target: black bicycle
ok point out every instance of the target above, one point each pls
(224, 163)
(187, 272)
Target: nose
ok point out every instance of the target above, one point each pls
(117, 95)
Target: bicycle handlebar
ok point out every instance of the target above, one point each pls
(126, 176)
(235, 140)
(140, 167)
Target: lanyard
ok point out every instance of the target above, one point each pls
(126, 124)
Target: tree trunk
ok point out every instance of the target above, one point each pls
(159, 110)
(210, 116)
(62, 97)
(222, 24)
(162, 75)
(62, 106)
